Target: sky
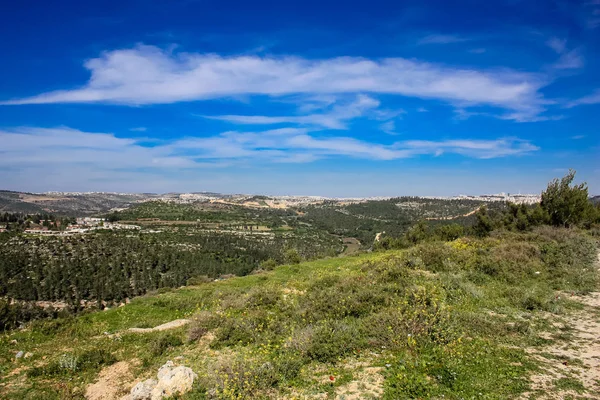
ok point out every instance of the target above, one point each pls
(377, 98)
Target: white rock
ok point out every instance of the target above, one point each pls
(143, 390)
(173, 380)
(19, 354)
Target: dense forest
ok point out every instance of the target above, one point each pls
(112, 266)
(393, 217)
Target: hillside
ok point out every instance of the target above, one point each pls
(66, 204)
(471, 318)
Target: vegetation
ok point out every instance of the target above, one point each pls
(445, 309)
(392, 217)
(563, 205)
(440, 319)
(112, 266)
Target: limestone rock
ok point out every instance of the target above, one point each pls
(173, 380)
(143, 390)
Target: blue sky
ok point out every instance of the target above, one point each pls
(318, 98)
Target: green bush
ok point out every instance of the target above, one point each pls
(164, 342)
(340, 298)
(269, 264)
(330, 341)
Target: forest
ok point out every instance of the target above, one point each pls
(185, 243)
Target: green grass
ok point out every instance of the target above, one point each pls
(447, 320)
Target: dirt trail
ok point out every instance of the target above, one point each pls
(169, 325)
(572, 367)
(111, 383)
(164, 327)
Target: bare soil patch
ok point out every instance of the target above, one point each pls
(576, 361)
(112, 383)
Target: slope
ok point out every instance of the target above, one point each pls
(463, 319)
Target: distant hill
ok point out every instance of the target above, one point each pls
(68, 204)
(595, 199)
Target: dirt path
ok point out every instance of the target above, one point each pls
(164, 327)
(571, 367)
(169, 325)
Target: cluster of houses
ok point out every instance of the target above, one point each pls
(83, 225)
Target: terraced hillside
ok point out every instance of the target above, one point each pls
(470, 318)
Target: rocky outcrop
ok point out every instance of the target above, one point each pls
(143, 390)
(171, 380)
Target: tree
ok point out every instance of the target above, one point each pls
(291, 256)
(484, 224)
(566, 204)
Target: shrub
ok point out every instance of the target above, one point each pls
(239, 377)
(291, 256)
(255, 326)
(263, 296)
(201, 324)
(164, 342)
(511, 262)
(340, 298)
(268, 265)
(328, 341)
(434, 256)
(69, 363)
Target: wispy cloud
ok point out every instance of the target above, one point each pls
(69, 148)
(150, 75)
(556, 44)
(569, 59)
(139, 129)
(472, 148)
(441, 39)
(335, 118)
(593, 17)
(389, 127)
(593, 98)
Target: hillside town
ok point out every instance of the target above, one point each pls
(82, 225)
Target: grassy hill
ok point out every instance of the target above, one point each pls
(453, 320)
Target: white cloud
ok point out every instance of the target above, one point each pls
(441, 39)
(389, 127)
(335, 118)
(593, 98)
(70, 149)
(570, 60)
(149, 75)
(65, 146)
(558, 45)
(472, 148)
